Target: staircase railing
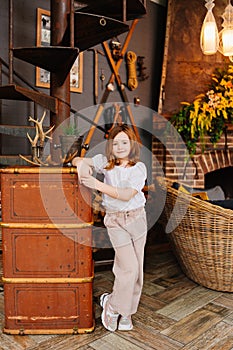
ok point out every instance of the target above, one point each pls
(19, 76)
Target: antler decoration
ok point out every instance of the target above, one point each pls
(38, 141)
(40, 134)
(38, 145)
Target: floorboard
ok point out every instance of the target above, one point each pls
(174, 313)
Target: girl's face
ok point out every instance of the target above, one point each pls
(121, 146)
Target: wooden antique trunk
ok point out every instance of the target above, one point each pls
(47, 251)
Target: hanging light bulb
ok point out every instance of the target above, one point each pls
(209, 40)
(226, 34)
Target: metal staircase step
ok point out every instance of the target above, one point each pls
(56, 59)
(15, 92)
(12, 160)
(115, 8)
(19, 130)
(90, 30)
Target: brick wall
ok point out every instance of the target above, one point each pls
(170, 158)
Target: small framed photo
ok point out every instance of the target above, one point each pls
(43, 38)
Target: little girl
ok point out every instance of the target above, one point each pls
(125, 220)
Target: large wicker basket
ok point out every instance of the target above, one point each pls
(201, 237)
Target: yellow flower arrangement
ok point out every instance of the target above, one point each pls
(209, 113)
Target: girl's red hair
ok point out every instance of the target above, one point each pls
(134, 152)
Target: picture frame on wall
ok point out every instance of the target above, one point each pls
(43, 38)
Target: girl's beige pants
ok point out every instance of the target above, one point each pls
(127, 232)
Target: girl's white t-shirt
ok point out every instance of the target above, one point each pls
(123, 177)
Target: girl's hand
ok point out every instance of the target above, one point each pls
(75, 161)
(123, 194)
(84, 167)
(89, 181)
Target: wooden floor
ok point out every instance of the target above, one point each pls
(174, 313)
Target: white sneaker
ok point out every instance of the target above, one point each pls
(103, 299)
(109, 317)
(125, 323)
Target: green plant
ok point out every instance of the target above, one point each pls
(71, 130)
(209, 114)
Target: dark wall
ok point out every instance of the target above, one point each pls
(188, 70)
(147, 41)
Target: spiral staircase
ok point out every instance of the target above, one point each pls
(84, 25)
